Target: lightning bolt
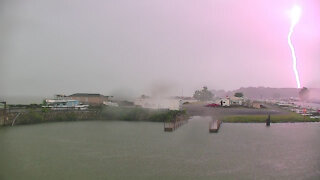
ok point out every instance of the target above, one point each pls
(295, 16)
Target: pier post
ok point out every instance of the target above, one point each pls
(268, 121)
(4, 112)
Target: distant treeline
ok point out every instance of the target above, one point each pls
(269, 93)
(260, 92)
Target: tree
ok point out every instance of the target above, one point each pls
(238, 94)
(304, 94)
(203, 95)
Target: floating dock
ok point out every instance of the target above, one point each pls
(214, 126)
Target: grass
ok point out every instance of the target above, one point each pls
(105, 113)
(33, 117)
(139, 114)
(290, 117)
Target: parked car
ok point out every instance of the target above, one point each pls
(212, 105)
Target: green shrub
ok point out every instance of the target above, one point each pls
(139, 114)
(31, 117)
(71, 116)
(108, 113)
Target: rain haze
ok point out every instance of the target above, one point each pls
(134, 47)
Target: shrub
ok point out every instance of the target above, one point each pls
(139, 114)
(30, 118)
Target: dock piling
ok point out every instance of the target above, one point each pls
(268, 121)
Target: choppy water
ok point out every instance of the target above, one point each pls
(141, 150)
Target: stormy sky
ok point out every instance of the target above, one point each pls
(176, 46)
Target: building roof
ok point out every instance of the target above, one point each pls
(86, 95)
(59, 100)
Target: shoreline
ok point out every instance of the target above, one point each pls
(114, 120)
(281, 118)
(137, 114)
(34, 116)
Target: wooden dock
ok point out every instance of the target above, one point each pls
(214, 126)
(174, 124)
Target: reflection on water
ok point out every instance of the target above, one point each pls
(141, 150)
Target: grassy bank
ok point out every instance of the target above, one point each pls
(139, 114)
(33, 117)
(290, 117)
(106, 113)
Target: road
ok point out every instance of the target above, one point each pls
(199, 109)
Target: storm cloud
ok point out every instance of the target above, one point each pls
(68, 46)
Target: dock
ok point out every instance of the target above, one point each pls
(214, 126)
(174, 124)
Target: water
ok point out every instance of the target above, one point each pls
(141, 150)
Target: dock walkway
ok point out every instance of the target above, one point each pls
(175, 124)
(214, 126)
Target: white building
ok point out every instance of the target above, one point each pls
(237, 101)
(224, 102)
(231, 101)
(60, 104)
(186, 99)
